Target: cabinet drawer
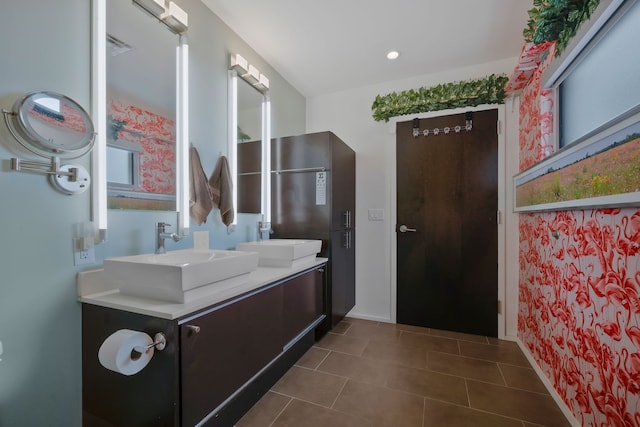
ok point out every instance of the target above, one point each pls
(302, 303)
(223, 349)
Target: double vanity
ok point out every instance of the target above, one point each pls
(233, 322)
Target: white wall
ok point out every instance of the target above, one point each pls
(348, 115)
(46, 46)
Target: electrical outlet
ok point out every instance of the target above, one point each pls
(84, 257)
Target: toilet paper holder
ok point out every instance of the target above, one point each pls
(159, 342)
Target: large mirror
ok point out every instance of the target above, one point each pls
(249, 147)
(141, 109)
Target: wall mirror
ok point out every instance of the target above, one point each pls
(52, 126)
(141, 109)
(140, 91)
(249, 145)
(249, 137)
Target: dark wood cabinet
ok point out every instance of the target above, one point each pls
(217, 363)
(303, 303)
(313, 197)
(249, 177)
(230, 346)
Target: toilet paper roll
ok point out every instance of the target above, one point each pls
(115, 352)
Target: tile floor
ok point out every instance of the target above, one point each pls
(376, 374)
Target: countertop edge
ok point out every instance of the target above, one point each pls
(94, 288)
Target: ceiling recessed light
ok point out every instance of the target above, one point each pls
(393, 55)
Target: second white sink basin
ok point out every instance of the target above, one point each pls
(179, 276)
(283, 252)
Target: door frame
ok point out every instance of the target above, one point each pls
(500, 317)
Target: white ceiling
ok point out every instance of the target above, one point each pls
(327, 46)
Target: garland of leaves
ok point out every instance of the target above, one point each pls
(549, 20)
(470, 93)
(557, 20)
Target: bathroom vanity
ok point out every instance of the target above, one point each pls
(223, 351)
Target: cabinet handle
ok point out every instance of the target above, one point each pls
(193, 328)
(346, 240)
(347, 219)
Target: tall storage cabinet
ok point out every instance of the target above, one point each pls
(313, 197)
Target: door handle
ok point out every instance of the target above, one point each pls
(404, 229)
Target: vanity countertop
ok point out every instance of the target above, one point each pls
(94, 287)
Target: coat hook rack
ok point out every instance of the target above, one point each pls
(446, 130)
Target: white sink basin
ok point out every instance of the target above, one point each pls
(283, 252)
(180, 276)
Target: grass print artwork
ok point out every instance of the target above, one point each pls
(608, 167)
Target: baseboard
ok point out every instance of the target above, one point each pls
(368, 317)
(552, 391)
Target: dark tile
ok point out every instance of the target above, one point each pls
(429, 384)
(524, 405)
(445, 414)
(523, 378)
(304, 414)
(467, 367)
(498, 341)
(341, 328)
(506, 353)
(357, 368)
(412, 328)
(380, 405)
(429, 342)
(343, 344)
(265, 411)
(312, 358)
(459, 336)
(373, 333)
(354, 320)
(312, 386)
(415, 357)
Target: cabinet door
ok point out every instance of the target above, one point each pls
(302, 303)
(224, 348)
(343, 196)
(343, 276)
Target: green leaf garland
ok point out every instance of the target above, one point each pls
(557, 20)
(470, 93)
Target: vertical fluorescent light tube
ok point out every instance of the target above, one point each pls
(99, 113)
(182, 135)
(266, 159)
(232, 97)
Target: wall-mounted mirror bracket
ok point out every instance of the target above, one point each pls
(52, 126)
(52, 168)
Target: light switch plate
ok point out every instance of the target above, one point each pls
(376, 214)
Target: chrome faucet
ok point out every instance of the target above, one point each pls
(161, 234)
(262, 227)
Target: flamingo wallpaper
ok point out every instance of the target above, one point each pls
(156, 135)
(579, 291)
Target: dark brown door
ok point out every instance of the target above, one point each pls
(447, 191)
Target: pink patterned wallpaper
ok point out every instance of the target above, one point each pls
(156, 135)
(579, 291)
(579, 305)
